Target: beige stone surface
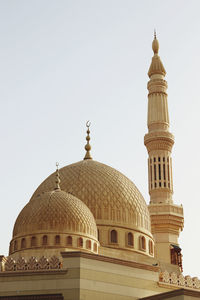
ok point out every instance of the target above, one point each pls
(166, 217)
(88, 276)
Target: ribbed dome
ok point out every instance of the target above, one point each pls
(113, 198)
(55, 212)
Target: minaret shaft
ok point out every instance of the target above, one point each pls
(166, 217)
(159, 141)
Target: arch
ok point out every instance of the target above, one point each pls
(88, 244)
(95, 247)
(15, 246)
(80, 242)
(130, 241)
(33, 241)
(23, 243)
(44, 240)
(57, 240)
(69, 240)
(113, 236)
(142, 243)
(150, 247)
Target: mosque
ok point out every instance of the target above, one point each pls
(87, 232)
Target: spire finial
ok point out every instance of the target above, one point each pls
(155, 44)
(57, 177)
(87, 146)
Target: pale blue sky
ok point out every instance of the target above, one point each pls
(64, 62)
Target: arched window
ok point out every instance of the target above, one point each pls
(69, 241)
(33, 241)
(15, 246)
(23, 243)
(88, 244)
(113, 236)
(44, 240)
(98, 234)
(150, 247)
(95, 247)
(130, 239)
(142, 243)
(80, 242)
(57, 240)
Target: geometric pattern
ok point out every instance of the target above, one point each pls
(111, 196)
(32, 264)
(55, 211)
(179, 280)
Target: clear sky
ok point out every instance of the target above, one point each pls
(65, 62)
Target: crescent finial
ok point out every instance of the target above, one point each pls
(57, 177)
(87, 146)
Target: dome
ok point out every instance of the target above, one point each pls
(113, 199)
(55, 211)
(55, 214)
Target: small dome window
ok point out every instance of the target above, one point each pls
(95, 247)
(57, 240)
(88, 244)
(69, 241)
(44, 240)
(130, 239)
(113, 236)
(142, 243)
(33, 241)
(80, 242)
(23, 243)
(150, 247)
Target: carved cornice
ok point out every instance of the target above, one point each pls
(30, 273)
(166, 218)
(32, 264)
(159, 140)
(166, 224)
(166, 209)
(179, 280)
(163, 140)
(110, 260)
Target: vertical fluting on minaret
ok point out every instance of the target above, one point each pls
(166, 217)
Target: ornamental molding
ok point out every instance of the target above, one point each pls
(159, 134)
(32, 264)
(157, 80)
(159, 143)
(173, 279)
(165, 208)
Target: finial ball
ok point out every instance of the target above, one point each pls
(155, 45)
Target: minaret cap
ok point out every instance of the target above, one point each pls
(57, 177)
(87, 146)
(155, 44)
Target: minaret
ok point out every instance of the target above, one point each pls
(166, 217)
